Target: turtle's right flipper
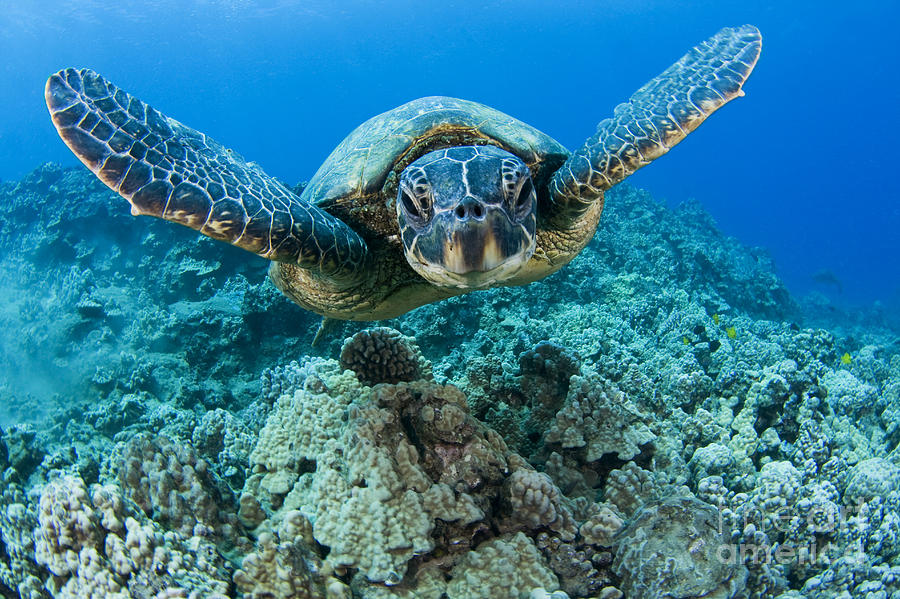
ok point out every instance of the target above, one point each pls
(171, 171)
(659, 115)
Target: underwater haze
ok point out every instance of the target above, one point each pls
(801, 166)
(703, 403)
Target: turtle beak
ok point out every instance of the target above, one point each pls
(475, 253)
(476, 248)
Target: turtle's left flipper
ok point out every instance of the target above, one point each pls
(658, 116)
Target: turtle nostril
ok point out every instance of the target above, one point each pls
(469, 209)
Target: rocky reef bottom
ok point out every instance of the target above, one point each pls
(660, 419)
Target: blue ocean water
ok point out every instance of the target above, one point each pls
(802, 166)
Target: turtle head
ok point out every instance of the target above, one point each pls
(467, 216)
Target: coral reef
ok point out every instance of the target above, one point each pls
(175, 487)
(501, 568)
(94, 548)
(399, 471)
(660, 418)
(600, 420)
(282, 565)
(382, 355)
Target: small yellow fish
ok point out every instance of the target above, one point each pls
(846, 359)
(731, 332)
(716, 318)
(685, 340)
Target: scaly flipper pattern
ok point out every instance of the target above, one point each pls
(171, 171)
(658, 116)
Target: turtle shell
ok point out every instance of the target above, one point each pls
(358, 181)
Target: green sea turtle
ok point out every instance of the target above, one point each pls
(435, 198)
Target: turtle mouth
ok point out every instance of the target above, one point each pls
(472, 255)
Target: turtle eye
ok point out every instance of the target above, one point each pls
(417, 207)
(524, 199)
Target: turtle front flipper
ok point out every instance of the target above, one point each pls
(171, 171)
(658, 116)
